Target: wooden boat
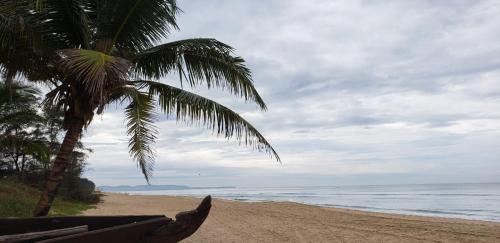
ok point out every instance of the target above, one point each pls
(123, 229)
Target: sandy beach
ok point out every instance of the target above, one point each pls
(233, 221)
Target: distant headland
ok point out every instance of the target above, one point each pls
(125, 188)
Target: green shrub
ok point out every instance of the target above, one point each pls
(19, 200)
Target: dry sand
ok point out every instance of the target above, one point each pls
(232, 221)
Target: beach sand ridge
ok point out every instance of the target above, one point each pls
(234, 221)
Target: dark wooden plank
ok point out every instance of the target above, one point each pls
(10, 226)
(29, 237)
(151, 231)
(154, 229)
(129, 233)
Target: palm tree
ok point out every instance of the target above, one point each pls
(94, 53)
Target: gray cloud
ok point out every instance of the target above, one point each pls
(359, 92)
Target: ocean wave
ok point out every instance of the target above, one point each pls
(414, 194)
(471, 202)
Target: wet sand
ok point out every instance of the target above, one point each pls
(233, 221)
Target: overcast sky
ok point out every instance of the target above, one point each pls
(359, 92)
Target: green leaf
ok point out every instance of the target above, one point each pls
(68, 17)
(199, 61)
(133, 24)
(140, 127)
(189, 107)
(96, 70)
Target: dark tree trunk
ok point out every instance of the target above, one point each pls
(22, 172)
(23, 163)
(9, 78)
(16, 163)
(61, 161)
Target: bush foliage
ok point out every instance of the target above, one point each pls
(30, 136)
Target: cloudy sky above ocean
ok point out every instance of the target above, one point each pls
(359, 92)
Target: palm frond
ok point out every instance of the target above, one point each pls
(95, 70)
(15, 29)
(199, 61)
(68, 21)
(28, 38)
(55, 99)
(189, 107)
(133, 24)
(140, 118)
(25, 25)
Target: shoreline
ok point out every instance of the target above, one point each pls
(326, 206)
(237, 221)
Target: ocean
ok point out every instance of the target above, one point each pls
(466, 201)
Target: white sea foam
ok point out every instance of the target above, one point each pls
(467, 201)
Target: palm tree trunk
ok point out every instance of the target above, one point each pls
(56, 175)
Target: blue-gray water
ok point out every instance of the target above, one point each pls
(467, 201)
